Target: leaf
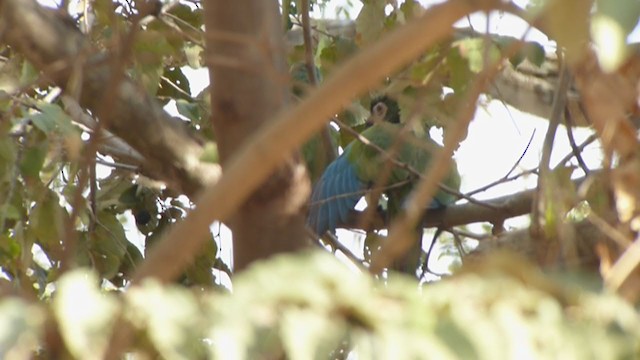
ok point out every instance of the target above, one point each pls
(151, 46)
(458, 68)
(335, 51)
(52, 118)
(210, 153)
(21, 328)
(567, 22)
(170, 317)
(107, 244)
(188, 14)
(129, 197)
(474, 50)
(33, 160)
(193, 54)
(610, 25)
(188, 109)
(84, 314)
(177, 79)
(46, 220)
(370, 21)
(200, 272)
(10, 249)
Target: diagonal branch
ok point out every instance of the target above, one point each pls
(65, 57)
(271, 144)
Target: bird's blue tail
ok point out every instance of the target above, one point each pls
(335, 194)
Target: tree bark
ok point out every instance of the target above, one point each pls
(63, 54)
(245, 55)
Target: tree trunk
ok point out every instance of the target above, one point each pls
(245, 56)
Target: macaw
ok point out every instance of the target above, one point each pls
(356, 170)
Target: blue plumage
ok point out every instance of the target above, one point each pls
(335, 195)
(346, 180)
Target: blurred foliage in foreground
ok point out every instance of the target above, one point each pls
(328, 310)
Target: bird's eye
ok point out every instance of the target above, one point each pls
(379, 110)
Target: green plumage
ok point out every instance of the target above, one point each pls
(362, 166)
(414, 151)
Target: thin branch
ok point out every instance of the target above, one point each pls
(403, 165)
(572, 141)
(521, 155)
(170, 152)
(273, 143)
(559, 103)
(330, 152)
(399, 240)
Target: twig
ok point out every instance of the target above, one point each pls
(521, 155)
(559, 102)
(399, 240)
(572, 141)
(269, 146)
(403, 165)
(330, 153)
(116, 165)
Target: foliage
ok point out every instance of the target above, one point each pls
(70, 199)
(488, 314)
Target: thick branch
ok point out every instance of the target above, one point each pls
(495, 211)
(63, 54)
(244, 97)
(273, 143)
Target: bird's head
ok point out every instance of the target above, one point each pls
(384, 108)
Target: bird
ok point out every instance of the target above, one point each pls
(354, 172)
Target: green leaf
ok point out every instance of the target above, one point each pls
(188, 109)
(46, 220)
(108, 244)
(52, 118)
(177, 79)
(535, 53)
(193, 54)
(129, 197)
(370, 21)
(334, 52)
(210, 153)
(33, 160)
(475, 50)
(200, 272)
(459, 73)
(188, 14)
(10, 249)
(84, 313)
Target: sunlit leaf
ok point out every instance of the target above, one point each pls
(20, 328)
(370, 21)
(610, 25)
(170, 317)
(84, 313)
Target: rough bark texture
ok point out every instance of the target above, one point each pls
(248, 86)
